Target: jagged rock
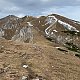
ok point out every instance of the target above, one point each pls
(1, 33)
(52, 26)
(26, 34)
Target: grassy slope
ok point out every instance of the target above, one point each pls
(43, 60)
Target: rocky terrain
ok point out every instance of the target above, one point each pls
(39, 48)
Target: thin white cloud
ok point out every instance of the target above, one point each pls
(40, 7)
(78, 0)
(67, 11)
(49, 11)
(20, 15)
(14, 8)
(45, 0)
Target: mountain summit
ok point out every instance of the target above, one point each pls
(54, 27)
(39, 48)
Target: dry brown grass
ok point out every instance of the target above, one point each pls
(43, 60)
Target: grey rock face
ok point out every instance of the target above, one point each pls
(1, 33)
(24, 34)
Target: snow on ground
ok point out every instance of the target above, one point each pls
(29, 24)
(55, 30)
(39, 21)
(25, 66)
(68, 26)
(52, 20)
(57, 47)
(52, 33)
(53, 17)
(77, 22)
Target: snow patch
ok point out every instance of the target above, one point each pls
(55, 30)
(52, 33)
(57, 47)
(68, 26)
(39, 21)
(29, 24)
(52, 21)
(77, 22)
(25, 66)
(53, 17)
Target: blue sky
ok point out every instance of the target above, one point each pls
(68, 8)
